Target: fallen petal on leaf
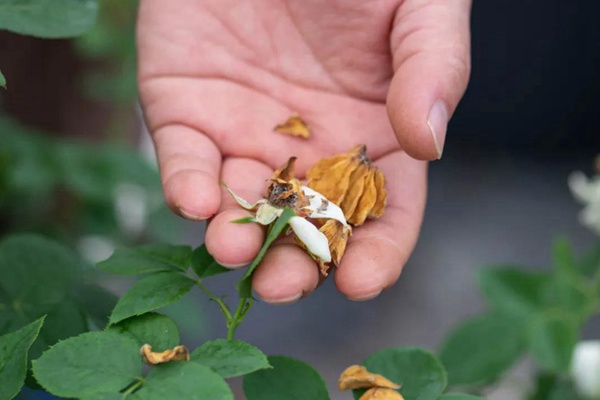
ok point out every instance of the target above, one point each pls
(381, 394)
(177, 353)
(357, 377)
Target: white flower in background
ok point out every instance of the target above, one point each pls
(587, 191)
(131, 208)
(317, 206)
(585, 368)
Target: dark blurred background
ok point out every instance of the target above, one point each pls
(74, 163)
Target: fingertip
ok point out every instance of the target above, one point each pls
(368, 267)
(285, 275)
(193, 194)
(233, 245)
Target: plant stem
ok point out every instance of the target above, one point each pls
(243, 307)
(138, 384)
(224, 308)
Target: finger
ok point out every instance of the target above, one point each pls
(378, 250)
(430, 45)
(234, 245)
(189, 165)
(286, 274)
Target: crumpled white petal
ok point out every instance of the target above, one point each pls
(585, 368)
(317, 208)
(266, 214)
(246, 204)
(315, 241)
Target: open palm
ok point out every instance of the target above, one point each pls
(217, 76)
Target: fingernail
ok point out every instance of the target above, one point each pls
(232, 266)
(191, 216)
(438, 124)
(365, 297)
(285, 300)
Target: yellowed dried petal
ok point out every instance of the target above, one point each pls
(177, 353)
(379, 207)
(286, 173)
(337, 235)
(367, 200)
(334, 180)
(294, 126)
(358, 181)
(381, 394)
(357, 377)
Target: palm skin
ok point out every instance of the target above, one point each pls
(217, 76)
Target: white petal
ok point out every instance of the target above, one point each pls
(247, 205)
(585, 368)
(317, 208)
(266, 214)
(584, 189)
(315, 241)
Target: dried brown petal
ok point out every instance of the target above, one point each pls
(337, 235)
(357, 377)
(381, 394)
(294, 126)
(177, 353)
(286, 172)
(351, 181)
(379, 207)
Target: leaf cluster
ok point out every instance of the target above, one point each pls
(540, 313)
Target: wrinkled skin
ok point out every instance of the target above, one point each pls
(216, 76)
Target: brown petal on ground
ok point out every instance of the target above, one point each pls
(177, 353)
(381, 394)
(294, 126)
(357, 377)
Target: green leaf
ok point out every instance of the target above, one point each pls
(552, 339)
(230, 358)
(459, 396)
(13, 358)
(48, 18)
(183, 380)
(549, 386)
(149, 293)
(289, 379)
(204, 265)
(2, 80)
(420, 373)
(93, 362)
(564, 259)
(148, 258)
(96, 302)
(589, 264)
(244, 286)
(28, 260)
(481, 349)
(157, 330)
(516, 291)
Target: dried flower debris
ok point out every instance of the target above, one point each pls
(341, 190)
(380, 388)
(294, 126)
(177, 353)
(353, 182)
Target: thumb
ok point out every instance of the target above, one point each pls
(430, 49)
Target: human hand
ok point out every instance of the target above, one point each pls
(215, 76)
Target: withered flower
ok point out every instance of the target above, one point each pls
(357, 377)
(294, 126)
(177, 353)
(284, 191)
(351, 181)
(380, 388)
